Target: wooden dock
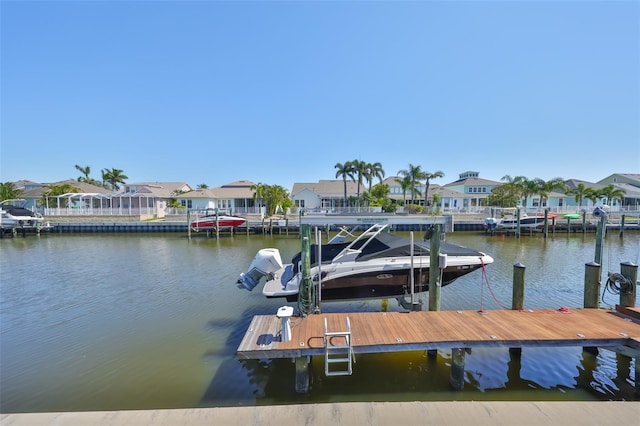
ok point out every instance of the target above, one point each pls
(374, 332)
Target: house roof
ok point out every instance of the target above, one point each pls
(573, 184)
(238, 184)
(21, 184)
(233, 190)
(156, 189)
(631, 191)
(82, 186)
(472, 182)
(634, 178)
(327, 188)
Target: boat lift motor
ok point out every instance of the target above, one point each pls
(266, 262)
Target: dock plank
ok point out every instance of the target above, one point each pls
(400, 331)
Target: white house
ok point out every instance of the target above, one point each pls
(235, 197)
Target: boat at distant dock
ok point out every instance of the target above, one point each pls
(214, 220)
(13, 215)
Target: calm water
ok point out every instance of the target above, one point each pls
(135, 321)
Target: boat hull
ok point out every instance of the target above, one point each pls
(221, 222)
(383, 284)
(373, 281)
(506, 224)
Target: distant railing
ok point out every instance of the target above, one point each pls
(104, 211)
(236, 210)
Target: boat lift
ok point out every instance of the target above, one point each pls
(309, 302)
(382, 218)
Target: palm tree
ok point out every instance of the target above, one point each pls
(592, 195)
(259, 191)
(503, 196)
(427, 177)
(85, 171)
(580, 192)
(415, 175)
(544, 188)
(518, 186)
(361, 170)
(54, 191)
(374, 170)
(611, 193)
(345, 171)
(113, 177)
(8, 191)
(405, 185)
(530, 187)
(202, 186)
(276, 195)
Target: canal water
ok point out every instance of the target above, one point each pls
(141, 321)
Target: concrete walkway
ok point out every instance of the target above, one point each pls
(356, 413)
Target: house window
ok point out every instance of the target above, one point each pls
(299, 203)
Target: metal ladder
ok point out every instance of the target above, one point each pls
(335, 354)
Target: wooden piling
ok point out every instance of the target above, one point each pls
(434, 276)
(517, 300)
(622, 226)
(591, 294)
(628, 293)
(592, 272)
(189, 224)
(306, 293)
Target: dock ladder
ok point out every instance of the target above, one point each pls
(341, 354)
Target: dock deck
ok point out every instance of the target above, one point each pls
(373, 332)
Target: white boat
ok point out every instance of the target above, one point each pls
(213, 220)
(511, 222)
(374, 264)
(14, 215)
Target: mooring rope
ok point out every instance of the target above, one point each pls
(485, 278)
(616, 284)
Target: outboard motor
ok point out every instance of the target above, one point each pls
(265, 263)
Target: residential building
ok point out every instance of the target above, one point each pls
(235, 197)
(325, 195)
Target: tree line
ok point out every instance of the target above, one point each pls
(514, 192)
(362, 171)
(519, 188)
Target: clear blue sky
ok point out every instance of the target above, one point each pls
(279, 92)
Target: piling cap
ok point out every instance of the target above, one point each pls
(518, 265)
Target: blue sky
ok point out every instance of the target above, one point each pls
(279, 92)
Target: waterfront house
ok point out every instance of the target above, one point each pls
(324, 195)
(145, 200)
(34, 195)
(630, 184)
(475, 191)
(148, 198)
(235, 198)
